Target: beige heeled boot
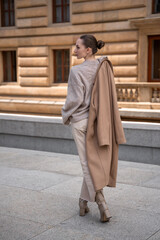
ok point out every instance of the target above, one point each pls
(102, 205)
(83, 207)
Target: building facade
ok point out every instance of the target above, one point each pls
(37, 39)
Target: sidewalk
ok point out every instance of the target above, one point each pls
(39, 194)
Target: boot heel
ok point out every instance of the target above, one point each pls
(103, 217)
(106, 211)
(83, 207)
(82, 212)
(107, 214)
(87, 209)
(103, 208)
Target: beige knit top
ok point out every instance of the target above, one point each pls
(80, 83)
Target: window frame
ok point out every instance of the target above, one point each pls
(54, 64)
(51, 68)
(153, 7)
(9, 14)
(146, 27)
(2, 82)
(54, 12)
(15, 18)
(150, 44)
(60, 24)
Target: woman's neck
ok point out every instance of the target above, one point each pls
(90, 58)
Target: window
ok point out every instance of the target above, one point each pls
(61, 65)
(60, 11)
(9, 66)
(7, 13)
(155, 6)
(154, 58)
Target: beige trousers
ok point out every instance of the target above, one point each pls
(79, 130)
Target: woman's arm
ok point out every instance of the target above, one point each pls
(75, 96)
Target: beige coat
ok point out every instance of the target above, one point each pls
(104, 131)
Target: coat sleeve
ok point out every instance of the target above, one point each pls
(108, 113)
(102, 106)
(75, 96)
(117, 124)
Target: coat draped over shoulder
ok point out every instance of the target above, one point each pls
(104, 131)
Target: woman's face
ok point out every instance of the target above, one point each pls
(80, 50)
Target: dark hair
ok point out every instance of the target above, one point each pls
(90, 41)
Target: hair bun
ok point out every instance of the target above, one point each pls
(100, 44)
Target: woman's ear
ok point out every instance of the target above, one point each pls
(89, 50)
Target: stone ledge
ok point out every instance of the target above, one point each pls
(138, 113)
(50, 134)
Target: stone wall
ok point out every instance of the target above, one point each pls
(35, 36)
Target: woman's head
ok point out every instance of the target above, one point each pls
(87, 45)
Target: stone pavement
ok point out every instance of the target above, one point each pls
(39, 194)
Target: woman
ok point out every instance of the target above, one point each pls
(76, 112)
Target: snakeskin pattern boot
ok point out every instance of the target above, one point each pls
(102, 205)
(83, 207)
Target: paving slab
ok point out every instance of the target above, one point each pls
(39, 193)
(136, 176)
(18, 228)
(127, 224)
(123, 195)
(46, 161)
(31, 179)
(70, 188)
(154, 182)
(155, 236)
(36, 206)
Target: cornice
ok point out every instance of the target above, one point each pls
(146, 22)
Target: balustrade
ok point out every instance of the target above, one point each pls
(138, 92)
